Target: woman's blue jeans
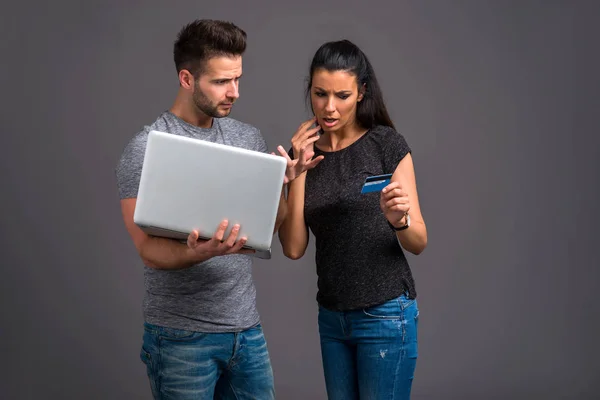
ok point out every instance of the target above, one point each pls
(370, 353)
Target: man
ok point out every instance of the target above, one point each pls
(202, 332)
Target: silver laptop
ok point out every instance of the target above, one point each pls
(189, 184)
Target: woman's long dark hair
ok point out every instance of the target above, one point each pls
(344, 55)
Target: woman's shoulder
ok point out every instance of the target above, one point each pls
(386, 134)
(384, 131)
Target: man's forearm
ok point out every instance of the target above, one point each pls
(169, 254)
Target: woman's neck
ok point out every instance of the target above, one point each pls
(341, 138)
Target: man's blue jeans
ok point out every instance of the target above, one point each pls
(185, 365)
(370, 353)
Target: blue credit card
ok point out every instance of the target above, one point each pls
(376, 183)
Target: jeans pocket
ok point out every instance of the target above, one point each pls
(388, 310)
(146, 357)
(405, 302)
(151, 371)
(176, 334)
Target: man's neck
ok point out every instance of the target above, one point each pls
(184, 108)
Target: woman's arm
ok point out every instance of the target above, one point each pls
(400, 198)
(293, 233)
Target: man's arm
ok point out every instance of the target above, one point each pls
(169, 254)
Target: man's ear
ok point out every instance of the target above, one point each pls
(186, 79)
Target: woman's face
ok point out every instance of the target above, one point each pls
(334, 96)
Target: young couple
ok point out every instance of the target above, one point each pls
(202, 334)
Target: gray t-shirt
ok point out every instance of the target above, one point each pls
(217, 295)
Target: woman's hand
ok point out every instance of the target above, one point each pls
(303, 150)
(395, 204)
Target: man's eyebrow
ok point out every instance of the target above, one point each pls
(225, 79)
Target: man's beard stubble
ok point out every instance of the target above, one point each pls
(204, 104)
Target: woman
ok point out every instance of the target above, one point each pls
(367, 300)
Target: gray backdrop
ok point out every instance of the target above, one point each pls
(492, 97)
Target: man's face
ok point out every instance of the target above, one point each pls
(218, 86)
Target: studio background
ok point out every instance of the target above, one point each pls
(494, 97)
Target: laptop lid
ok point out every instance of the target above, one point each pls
(189, 184)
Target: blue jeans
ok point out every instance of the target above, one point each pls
(193, 365)
(370, 353)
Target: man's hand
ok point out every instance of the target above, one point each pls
(216, 246)
(303, 149)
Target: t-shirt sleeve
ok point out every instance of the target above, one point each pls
(129, 168)
(261, 143)
(396, 148)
